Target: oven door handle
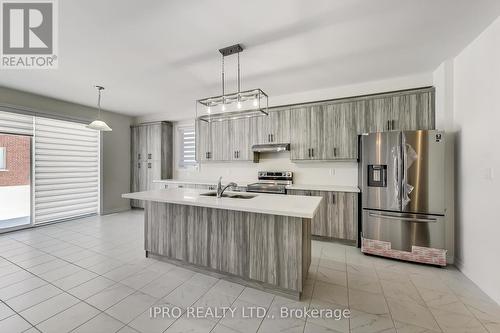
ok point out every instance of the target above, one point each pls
(406, 219)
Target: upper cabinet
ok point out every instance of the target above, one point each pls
(326, 131)
(274, 128)
(401, 111)
(317, 132)
(241, 133)
(225, 140)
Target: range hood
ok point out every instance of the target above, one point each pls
(271, 148)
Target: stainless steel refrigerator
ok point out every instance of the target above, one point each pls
(402, 186)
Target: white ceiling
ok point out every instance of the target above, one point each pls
(159, 56)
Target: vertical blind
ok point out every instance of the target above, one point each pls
(187, 146)
(66, 170)
(13, 123)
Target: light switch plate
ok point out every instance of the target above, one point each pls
(488, 173)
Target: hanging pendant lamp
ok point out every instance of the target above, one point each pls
(98, 124)
(236, 105)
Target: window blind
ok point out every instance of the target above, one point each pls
(187, 147)
(13, 123)
(66, 170)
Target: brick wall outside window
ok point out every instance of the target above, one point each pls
(17, 158)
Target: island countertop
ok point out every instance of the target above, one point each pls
(275, 204)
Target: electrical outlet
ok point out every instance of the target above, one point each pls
(331, 172)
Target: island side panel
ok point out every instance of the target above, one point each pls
(260, 247)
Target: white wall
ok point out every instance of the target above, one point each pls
(476, 119)
(331, 173)
(443, 82)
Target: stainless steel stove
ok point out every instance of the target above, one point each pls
(272, 182)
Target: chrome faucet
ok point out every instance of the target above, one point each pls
(221, 190)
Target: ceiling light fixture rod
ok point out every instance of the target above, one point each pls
(223, 94)
(99, 89)
(238, 73)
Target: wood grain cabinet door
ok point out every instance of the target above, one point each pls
(279, 126)
(378, 114)
(300, 128)
(262, 129)
(318, 138)
(273, 128)
(154, 142)
(135, 144)
(143, 142)
(345, 215)
(415, 111)
(203, 140)
(221, 147)
(240, 138)
(320, 226)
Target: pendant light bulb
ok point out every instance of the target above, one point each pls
(223, 107)
(209, 110)
(255, 102)
(238, 105)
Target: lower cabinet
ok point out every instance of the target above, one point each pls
(337, 214)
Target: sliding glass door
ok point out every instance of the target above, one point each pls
(49, 170)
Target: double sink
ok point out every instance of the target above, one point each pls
(229, 195)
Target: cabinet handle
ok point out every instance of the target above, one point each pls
(149, 156)
(272, 137)
(335, 151)
(312, 152)
(234, 154)
(269, 138)
(333, 199)
(138, 156)
(149, 165)
(308, 152)
(393, 124)
(139, 165)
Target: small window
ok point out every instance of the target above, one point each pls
(3, 158)
(186, 147)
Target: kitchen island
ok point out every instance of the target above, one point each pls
(263, 241)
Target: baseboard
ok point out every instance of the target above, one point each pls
(115, 210)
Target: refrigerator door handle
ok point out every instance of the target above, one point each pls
(398, 218)
(396, 156)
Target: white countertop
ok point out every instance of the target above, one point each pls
(310, 187)
(332, 188)
(275, 204)
(200, 182)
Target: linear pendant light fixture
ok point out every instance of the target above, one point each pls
(98, 124)
(238, 105)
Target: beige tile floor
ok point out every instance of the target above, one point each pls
(90, 275)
